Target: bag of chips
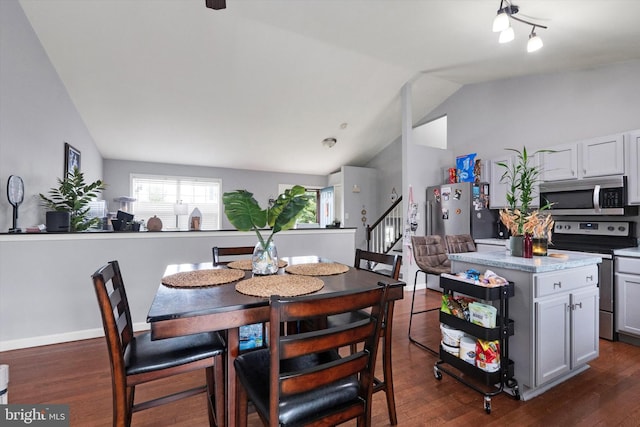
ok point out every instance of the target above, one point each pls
(488, 355)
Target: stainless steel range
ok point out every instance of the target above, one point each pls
(602, 238)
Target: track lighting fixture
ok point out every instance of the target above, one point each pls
(534, 42)
(502, 25)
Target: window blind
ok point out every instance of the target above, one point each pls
(157, 195)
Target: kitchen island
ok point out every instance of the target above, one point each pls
(555, 314)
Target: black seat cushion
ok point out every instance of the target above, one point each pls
(253, 371)
(145, 355)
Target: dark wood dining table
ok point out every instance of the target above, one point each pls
(183, 311)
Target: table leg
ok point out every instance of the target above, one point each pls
(233, 348)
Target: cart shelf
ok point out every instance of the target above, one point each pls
(504, 329)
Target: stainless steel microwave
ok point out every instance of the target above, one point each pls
(593, 196)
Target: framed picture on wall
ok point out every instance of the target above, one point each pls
(71, 159)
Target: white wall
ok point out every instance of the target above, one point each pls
(46, 289)
(542, 110)
(263, 185)
(355, 202)
(36, 118)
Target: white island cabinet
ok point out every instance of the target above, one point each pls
(555, 312)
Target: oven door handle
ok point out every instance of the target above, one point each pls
(596, 198)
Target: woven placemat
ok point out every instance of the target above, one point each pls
(245, 264)
(202, 278)
(317, 269)
(279, 284)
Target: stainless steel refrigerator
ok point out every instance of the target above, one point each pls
(460, 208)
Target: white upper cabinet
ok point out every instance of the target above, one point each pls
(602, 156)
(561, 163)
(633, 175)
(497, 188)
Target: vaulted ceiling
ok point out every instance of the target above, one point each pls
(260, 84)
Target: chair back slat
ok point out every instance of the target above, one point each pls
(311, 379)
(325, 339)
(369, 260)
(322, 344)
(230, 251)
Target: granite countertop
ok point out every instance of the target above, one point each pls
(537, 264)
(492, 241)
(630, 252)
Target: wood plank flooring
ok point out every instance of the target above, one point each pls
(608, 394)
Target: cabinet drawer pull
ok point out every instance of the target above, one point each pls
(558, 284)
(590, 278)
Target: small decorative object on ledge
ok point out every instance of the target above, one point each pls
(154, 224)
(245, 214)
(195, 219)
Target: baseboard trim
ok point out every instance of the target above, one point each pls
(60, 338)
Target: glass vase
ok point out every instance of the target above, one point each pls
(540, 245)
(527, 251)
(265, 260)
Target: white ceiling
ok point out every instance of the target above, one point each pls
(260, 84)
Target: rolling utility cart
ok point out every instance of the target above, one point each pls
(495, 381)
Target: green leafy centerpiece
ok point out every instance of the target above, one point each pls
(244, 213)
(73, 196)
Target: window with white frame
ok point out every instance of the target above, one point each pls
(157, 195)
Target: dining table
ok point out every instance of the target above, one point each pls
(178, 311)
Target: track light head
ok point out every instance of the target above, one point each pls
(535, 42)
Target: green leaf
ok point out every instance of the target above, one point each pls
(245, 214)
(243, 210)
(73, 195)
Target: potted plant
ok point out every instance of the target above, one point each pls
(72, 197)
(521, 177)
(245, 214)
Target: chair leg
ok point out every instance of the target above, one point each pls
(215, 393)
(413, 298)
(387, 366)
(242, 406)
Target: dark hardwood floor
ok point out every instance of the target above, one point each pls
(608, 394)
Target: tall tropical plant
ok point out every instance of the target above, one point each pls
(521, 176)
(244, 212)
(73, 195)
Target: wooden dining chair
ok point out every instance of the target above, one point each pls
(430, 254)
(233, 251)
(230, 251)
(136, 359)
(387, 265)
(301, 379)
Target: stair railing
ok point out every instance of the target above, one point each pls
(383, 235)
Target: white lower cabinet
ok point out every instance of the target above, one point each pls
(628, 295)
(566, 323)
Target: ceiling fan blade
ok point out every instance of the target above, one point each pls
(216, 4)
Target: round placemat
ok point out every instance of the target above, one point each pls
(279, 284)
(202, 278)
(317, 269)
(246, 264)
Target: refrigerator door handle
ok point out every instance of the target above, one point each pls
(429, 230)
